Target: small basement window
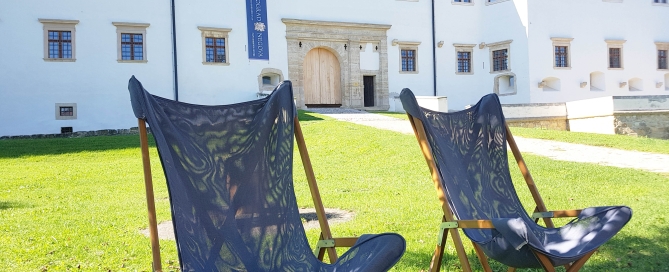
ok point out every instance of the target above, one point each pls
(64, 130)
(66, 111)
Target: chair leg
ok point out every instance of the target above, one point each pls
(580, 262)
(455, 235)
(511, 269)
(545, 262)
(435, 264)
(482, 258)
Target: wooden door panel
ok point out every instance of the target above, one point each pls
(311, 75)
(322, 78)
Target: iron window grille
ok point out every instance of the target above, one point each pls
(408, 60)
(464, 62)
(60, 44)
(132, 46)
(561, 58)
(662, 59)
(614, 58)
(215, 49)
(500, 60)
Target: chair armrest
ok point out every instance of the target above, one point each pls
(556, 214)
(467, 224)
(336, 242)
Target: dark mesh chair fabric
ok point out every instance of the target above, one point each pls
(470, 152)
(229, 174)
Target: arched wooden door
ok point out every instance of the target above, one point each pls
(322, 79)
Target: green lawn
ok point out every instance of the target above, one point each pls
(79, 203)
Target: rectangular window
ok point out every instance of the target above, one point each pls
(60, 44)
(132, 46)
(59, 40)
(500, 60)
(408, 60)
(215, 49)
(561, 57)
(662, 59)
(661, 1)
(131, 42)
(66, 111)
(464, 62)
(463, 1)
(614, 58)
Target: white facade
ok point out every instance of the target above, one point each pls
(32, 87)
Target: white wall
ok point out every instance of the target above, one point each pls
(590, 23)
(474, 24)
(30, 86)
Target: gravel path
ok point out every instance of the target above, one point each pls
(552, 149)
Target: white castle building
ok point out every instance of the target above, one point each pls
(64, 65)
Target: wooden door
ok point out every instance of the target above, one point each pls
(368, 90)
(321, 78)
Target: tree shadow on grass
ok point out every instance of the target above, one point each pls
(16, 148)
(307, 116)
(621, 253)
(4, 205)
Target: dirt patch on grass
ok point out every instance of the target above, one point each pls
(308, 216)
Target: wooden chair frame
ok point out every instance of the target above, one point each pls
(451, 225)
(326, 241)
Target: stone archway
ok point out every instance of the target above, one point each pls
(345, 41)
(322, 78)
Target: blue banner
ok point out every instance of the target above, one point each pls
(256, 24)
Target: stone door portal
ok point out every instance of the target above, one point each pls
(322, 78)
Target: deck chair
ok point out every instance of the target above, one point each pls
(230, 181)
(466, 152)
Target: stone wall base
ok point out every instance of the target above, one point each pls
(553, 123)
(78, 134)
(645, 124)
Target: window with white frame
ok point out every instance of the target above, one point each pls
(615, 54)
(408, 56)
(500, 56)
(491, 2)
(215, 49)
(464, 54)
(561, 53)
(463, 2)
(662, 55)
(59, 39)
(131, 42)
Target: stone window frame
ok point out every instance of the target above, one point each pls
(655, 3)
(70, 117)
(662, 46)
(505, 74)
(615, 44)
(562, 42)
(407, 45)
(500, 46)
(131, 28)
(59, 25)
(462, 47)
(462, 2)
(215, 32)
(492, 2)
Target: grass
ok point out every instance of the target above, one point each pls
(624, 142)
(79, 203)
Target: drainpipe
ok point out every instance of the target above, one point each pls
(434, 54)
(174, 52)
